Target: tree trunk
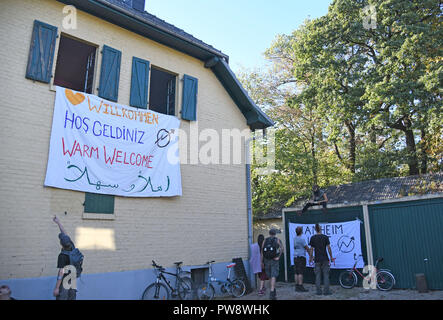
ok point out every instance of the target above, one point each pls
(351, 131)
(373, 135)
(314, 160)
(412, 152)
(423, 153)
(404, 124)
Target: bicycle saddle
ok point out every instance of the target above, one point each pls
(231, 265)
(178, 263)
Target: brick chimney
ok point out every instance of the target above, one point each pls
(138, 5)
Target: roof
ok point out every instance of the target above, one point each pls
(150, 26)
(383, 189)
(376, 190)
(163, 25)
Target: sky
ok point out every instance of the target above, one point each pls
(242, 29)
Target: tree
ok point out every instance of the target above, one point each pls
(404, 65)
(353, 102)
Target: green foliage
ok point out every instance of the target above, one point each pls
(352, 103)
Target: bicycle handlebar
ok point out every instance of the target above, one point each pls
(156, 265)
(376, 260)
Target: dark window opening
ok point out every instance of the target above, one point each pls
(75, 65)
(199, 275)
(162, 92)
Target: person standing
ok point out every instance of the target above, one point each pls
(255, 260)
(319, 243)
(300, 249)
(262, 275)
(63, 260)
(272, 250)
(256, 263)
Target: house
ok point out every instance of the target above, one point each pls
(400, 220)
(128, 60)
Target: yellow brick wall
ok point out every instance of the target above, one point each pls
(208, 222)
(263, 227)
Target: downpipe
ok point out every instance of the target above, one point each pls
(249, 207)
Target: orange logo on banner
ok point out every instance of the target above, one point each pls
(74, 98)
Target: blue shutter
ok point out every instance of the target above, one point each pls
(189, 104)
(110, 73)
(139, 83)
(41, 52)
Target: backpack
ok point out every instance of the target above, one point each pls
(75, 259)
(271, 248)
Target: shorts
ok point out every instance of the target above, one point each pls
(300, 265)
(272, 267)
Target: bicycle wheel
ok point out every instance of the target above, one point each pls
(185, 288)
(347, 279)
(205, 292)
(385, 280)
(238, 288)
(156, 291)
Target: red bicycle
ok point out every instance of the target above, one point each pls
(385, 280)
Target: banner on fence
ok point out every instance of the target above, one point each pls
(344, 238)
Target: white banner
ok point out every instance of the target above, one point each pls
(344, 238)
(102, 147)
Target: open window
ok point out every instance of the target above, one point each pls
(162, 91)
(75, 70)
(75, 65)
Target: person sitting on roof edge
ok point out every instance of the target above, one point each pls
(319, 197)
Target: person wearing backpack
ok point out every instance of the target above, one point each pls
(272, 249)
(69, 256)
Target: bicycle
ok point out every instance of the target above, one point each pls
(385, 280)
(236, 287)
(162, 289)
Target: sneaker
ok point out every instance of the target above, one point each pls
(261, 292)
(318, 293)
(327, 293)
(302, 289)
(273, 295)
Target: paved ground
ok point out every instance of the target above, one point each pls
(285, 291)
